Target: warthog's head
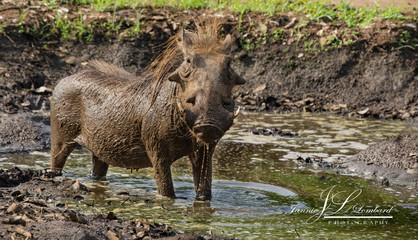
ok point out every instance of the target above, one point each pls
(206, 79)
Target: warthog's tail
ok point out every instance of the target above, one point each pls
(111, 70)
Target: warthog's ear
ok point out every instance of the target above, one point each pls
(226, 44)
(185, 40)
(238, 80)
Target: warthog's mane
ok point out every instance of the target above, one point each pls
(204, 37)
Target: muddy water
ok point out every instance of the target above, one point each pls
(259, 190)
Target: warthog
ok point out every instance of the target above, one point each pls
(182, 109)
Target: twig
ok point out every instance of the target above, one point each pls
(125, 201)
(7, 36)
(405, 46)
(297, 232)
(9, 8)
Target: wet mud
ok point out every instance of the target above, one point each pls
(393, 159)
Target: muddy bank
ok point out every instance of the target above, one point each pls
(290, 63)
(395, 158)
(24, 132)
(31, 207)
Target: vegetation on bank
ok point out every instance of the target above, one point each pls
(315, 10)
(66, 20)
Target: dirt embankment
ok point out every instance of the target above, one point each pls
(395, 158)
(290, 63)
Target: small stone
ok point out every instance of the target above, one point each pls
(60, 205)
(81, 219)
(111, 216)
(260, 88)
(43, 90)
(364, 111)
(111, 235)
(77, 186)
(73, 216)
(70, 60)
(405, 115)
(24, 233)
(83, 235)
(78, 197)
(16, 220)
(14, 208)
(141, 234)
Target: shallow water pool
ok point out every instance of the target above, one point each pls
(259, 192)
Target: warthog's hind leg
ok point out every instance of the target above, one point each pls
(98, 167)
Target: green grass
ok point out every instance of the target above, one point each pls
(73, 25)
(314, 9)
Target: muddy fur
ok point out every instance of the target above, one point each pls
(134, 122)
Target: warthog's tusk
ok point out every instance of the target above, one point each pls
(237, 112)
(180, 106)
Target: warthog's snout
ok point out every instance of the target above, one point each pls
(208, 132)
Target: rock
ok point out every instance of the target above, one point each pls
(43, 90)
(19, 193)
(111, 235)
(405, 115)
(141, 234)
(83, 235)
(72, 216)
(271, 132)
(260, 88)
(77, 186)
(23, 232)
(14, 208)
(70, 60)
(362, 112)
(16, 220)
(111, 216)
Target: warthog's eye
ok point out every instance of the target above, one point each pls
(191, 100)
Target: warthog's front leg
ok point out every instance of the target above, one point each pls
(162, 176)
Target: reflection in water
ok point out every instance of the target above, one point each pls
(248, 201)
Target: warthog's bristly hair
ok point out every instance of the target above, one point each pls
(204, 37)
